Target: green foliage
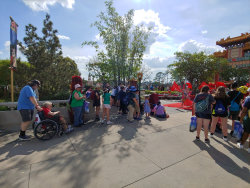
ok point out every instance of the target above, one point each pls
(46, 61)
(161, 92)
(124, 49)
(63, 95)
(198, 67)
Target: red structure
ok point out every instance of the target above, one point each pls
(236, 52)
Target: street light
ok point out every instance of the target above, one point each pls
(139, 74)
(103, 74)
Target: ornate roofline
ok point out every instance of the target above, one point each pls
(244, 36)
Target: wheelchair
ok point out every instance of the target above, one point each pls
(46, 129)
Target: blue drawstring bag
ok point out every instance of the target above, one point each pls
(86, 105)
(238, 130)
(193, 124)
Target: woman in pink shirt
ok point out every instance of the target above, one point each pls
(160, 111)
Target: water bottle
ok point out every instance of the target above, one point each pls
(193, 124)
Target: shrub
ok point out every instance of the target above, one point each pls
(63, 95)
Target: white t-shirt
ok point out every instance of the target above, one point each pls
(113, 92)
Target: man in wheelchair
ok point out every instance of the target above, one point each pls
(55, 116)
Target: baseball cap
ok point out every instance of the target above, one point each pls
(77, 85)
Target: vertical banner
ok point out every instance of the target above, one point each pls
(13, 44)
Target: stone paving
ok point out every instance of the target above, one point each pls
(148, 153)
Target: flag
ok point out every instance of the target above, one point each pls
(13, 44)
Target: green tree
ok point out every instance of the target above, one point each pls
(198, 67)
(45, 57)
(124, 49)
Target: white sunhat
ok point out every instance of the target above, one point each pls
(248, 89)
(77, 85)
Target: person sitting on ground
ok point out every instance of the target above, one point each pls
(137, 108)
(160, 111)
(55, 116)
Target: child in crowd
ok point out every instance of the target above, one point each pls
(55, 116)
(137, 108)
(106, 101)
(184, 98)
(147, 107)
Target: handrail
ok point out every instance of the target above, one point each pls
(12, 105)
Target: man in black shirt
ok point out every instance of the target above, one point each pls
(97, 102)
(234, 114)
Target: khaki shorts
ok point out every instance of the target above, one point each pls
(137, 108)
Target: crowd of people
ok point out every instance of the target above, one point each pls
(209, 108)
(225, 105)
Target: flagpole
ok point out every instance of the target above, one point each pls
(12, 75)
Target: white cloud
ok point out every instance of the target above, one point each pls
(63, 37)
(7, 45)
(203, 32)
(192, 46)
(97, 37)
(159, 63)
(152, 19)
(1, 52)
(42, 5)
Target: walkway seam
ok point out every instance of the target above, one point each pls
(29, 176)
(161, 169)
(142, 155)
(72, 143)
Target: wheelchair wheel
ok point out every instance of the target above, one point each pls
(45, 129)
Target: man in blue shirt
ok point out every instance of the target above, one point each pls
(26, 104)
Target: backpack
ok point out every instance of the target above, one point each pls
(234, 106)
(92, 95)
(202, 105)
(126, 99)
(219, 108)
(116, 91)
(70, 99)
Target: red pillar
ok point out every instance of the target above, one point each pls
(216, 77)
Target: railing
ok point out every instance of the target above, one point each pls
(13, 105)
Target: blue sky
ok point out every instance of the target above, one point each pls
(180, 25)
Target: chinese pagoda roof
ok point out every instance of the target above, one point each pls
(245, 37)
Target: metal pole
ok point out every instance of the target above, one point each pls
(11, 86)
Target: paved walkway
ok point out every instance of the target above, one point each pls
(149, 153)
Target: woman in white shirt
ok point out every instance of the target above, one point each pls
(113, 96)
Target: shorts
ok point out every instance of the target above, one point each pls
(97, 103)
(221, 115)
(27, 115)
(113, 97)
(234, 115)
(202, 115)
(118, 97)
(246, 125)
(107, 106)
(137, 109)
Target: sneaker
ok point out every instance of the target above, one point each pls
(67, 131)
(231, 133)
(225, 139)
(138, 119)
(109, 123)
(207, 140)
(25, 137)
(102, 121)
(240, 146)
(211, 135)
(197, 138)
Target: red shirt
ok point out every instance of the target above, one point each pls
(46, 111)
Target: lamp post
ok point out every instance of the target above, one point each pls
(139, 74)
(103, 74)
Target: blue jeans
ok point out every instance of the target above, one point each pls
(161, 116)
(78, 113)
